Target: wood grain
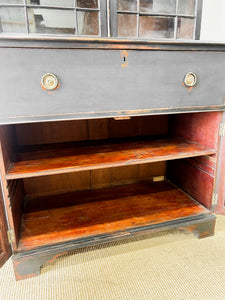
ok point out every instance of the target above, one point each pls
(51, 132)
(201, 128)
(96, 129)
(192, 179)
(51, 220)
(94, 179)
(7, 150)
(63, 158)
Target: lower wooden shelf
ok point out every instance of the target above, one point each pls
(61, 218)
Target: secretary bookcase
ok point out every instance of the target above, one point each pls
(104, 139)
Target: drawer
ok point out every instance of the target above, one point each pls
(96, 83)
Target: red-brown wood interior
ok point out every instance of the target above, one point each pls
(201, 127)
(29, 189)
(104, 211)
(84, 130)
(70, 157)
(95, 179)
(192, 180)
(196, 176)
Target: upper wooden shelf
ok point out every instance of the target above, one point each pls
(71, 157)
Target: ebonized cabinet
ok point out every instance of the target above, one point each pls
(121, 147)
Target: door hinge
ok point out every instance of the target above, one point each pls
(11, 236)
(215, 199)
(222, 129)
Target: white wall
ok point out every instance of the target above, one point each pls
(213, 20)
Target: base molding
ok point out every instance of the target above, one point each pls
(28, 263)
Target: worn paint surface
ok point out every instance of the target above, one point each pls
(97, 82)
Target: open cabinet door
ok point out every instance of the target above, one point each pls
(220, 186)
(5, 247)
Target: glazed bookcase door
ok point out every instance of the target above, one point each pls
(5, 248)
(179, 19)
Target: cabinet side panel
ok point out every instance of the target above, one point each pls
(201, 128)
(13, 202)
(193, 179)
(17, 204)
(8, 144)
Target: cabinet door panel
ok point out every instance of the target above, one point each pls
(5, 248)
(220, 181)
(105, 83)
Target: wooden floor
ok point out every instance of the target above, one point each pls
(70, 157)
(54, 219)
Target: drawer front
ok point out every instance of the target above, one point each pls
(106, 82)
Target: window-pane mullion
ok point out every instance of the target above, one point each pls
(26, 16)
(103, 22)
(75, 16)
(196, 6)
(113, 18)
(138, 16)
(198, 14)
(176, 20)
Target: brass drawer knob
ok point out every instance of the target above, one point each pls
(190, 79)
(49, 81)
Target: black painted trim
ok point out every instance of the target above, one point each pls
(109, 114)
(103, 238)
(14, 41)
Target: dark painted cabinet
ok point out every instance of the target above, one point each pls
(105, 139)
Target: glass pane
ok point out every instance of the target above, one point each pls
(186, 7)
(11, 1)
(87, 3)
(156, 27)
(51, 21)
(65, 3)
(12, 20)
(185, 28)
(87, 23)
(158, 6)
(127, 5)
(127, 25)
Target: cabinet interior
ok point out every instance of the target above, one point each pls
(78, 179)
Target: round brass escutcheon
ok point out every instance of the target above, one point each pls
(190, 79)
(49, 81)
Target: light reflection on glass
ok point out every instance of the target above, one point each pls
(127, 25)
(87, 23)
(12, 19)
(127, 5)
(156, 27)
(51, 21)
(185, 28)
(158, 6)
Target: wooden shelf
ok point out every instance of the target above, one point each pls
(71, 157)
(60, 218)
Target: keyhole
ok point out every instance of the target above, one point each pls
(124, 59)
